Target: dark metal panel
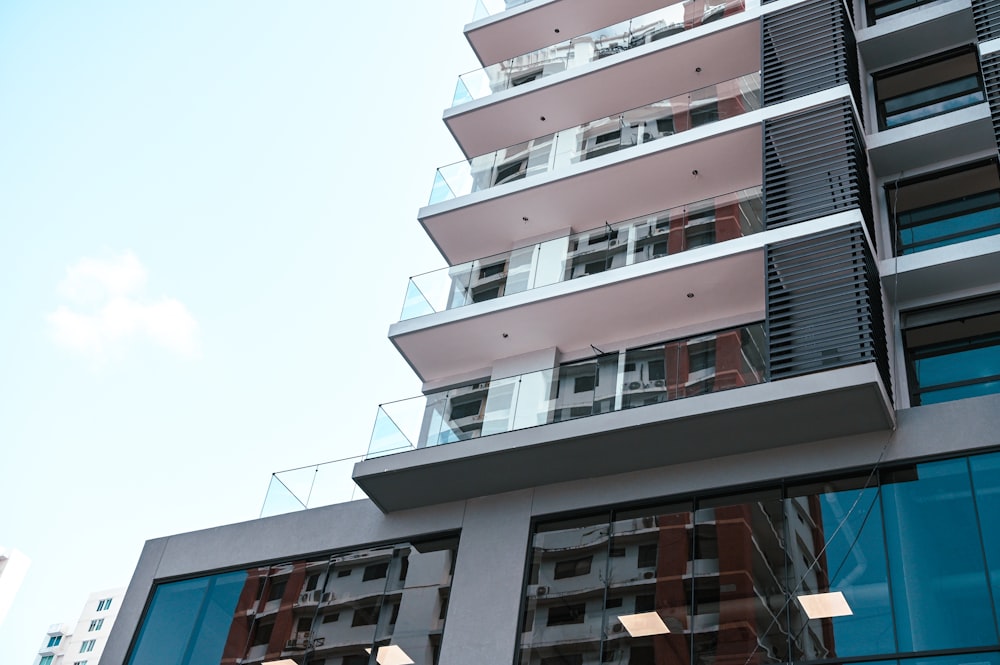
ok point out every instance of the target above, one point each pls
(991, 79)
(814, 165)
(986, 15)
(824, 305)
(808, 48)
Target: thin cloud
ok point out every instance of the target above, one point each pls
(109, 309)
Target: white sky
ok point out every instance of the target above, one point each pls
(207, 221)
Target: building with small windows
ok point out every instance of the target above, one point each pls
(711, 376)
(82, 643)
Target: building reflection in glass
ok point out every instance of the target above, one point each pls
(912, 550)
(339, 610)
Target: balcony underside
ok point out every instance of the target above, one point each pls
(967, 267)
(947, 136)
(605, 88)
(913, 34)
(533, 26)
(813, 407)
(637, 181)
(626, 303)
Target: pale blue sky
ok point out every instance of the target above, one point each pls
(230, 189)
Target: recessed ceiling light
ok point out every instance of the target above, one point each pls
(391, 655)
(825, 605)
(643, 625)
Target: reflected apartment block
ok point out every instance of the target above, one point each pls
(710, 372)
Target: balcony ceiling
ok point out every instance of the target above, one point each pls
(483, 223)
(534, 26)
(571, 316)
(608, 87)
(742, 420)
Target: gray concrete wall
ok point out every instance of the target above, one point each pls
(481, 625)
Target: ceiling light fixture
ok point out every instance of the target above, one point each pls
(644, 625)
(825, 605)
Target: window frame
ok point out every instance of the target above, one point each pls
(968, 49)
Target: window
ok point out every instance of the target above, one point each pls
(879, 9)
(953, 351)
(366, 615)
(312, 582)
(583, 384)
(375, 571)
(277, 590)
(95, 625)
(331, 618)
(945, 207)
(54, 641)
(572, 568)
(262, 635)
(46, 660)
(930, 87)
(704, 113)
(701, 356)
(511, 171)
(647, 556)
(490, 271)
(567, 614)
(87, 646)
(103, 605)
(78, 662)
(304, 625)
(462, 410)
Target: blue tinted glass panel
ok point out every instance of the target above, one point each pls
(849, 524)
(939, 586)
(964, 659)
(986, 481)
(188, 621)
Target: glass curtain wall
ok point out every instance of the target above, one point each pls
(900, 564)
(377, 605)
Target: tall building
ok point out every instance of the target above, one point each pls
(712, 376)
(13, 568)
(84, 642)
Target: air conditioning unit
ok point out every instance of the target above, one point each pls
(542, 590)
(647, 522)
(617, 628)
(658, 383)
(328, 597)
(648, 575)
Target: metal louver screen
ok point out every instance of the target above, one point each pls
(808, 48)
(986, 15)
(991, 77)
(815, 165)
(824, 305)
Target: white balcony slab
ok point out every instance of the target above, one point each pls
(541, 23)
(823, 405)
(691, 60)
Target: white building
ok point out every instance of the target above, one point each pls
(83, 643)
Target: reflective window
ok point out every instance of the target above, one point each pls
(945, 207)
(897, 562)
(953, 351)
(384, 604)
(930, 87)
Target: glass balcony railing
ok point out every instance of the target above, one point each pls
(487, 8)
(311, 486)
(599, 137)
(579, 51)
(605, 248)
(627, 379)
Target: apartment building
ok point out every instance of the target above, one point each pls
(712, 376)
(82, 643)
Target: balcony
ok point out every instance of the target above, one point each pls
(605, 87)
(595, 45)
(596, 138)
(579, 419)
(594, 251)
